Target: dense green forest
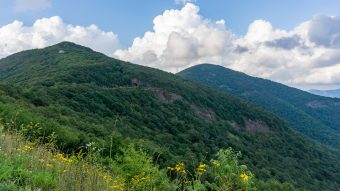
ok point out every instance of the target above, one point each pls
(315, 116)
(81, 96)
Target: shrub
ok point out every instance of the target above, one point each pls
(136, 167)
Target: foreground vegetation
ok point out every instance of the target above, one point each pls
(27, 165)
(80, 96)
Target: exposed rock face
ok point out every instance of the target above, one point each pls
(165, 96)
(204, 113)
(256, 126)
(317, 104)
(251, 126)
(135, 82)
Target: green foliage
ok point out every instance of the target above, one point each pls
(315, 116)
(82, 96)
(8, 186)
(222, 174)
(274, 185)
(228, 174)
(33, 166)
(140, 173)
(44, 181)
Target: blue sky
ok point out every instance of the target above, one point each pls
(131, 18)
(295, 42)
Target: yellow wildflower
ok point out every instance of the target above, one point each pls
(215, 164)
(68, 160)
(114, 186)
(49, 165)
(27, 148)
(244, 177)
(170, 168)
(107, 177)
(201, 168)
(62, 158)
(119, 187)
(178, 168)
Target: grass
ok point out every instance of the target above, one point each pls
(29, 165)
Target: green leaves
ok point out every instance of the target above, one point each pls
(140, 173)
(44, 180)
(228, 174)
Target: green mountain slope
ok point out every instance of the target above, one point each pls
(315, 116)
(84, 96)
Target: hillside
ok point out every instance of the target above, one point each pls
(84, 96)
(315, 116)
(27, 165)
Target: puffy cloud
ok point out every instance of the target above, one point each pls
(180, 38)
(308, 54)
(16, 37)
(285, 42)
(325, 31)
(303, 56)
(31, 5)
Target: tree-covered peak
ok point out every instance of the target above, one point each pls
(83, 96)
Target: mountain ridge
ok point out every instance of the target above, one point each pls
(84, 96)
(299, 108)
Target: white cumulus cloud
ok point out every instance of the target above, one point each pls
(16, 37)
(180, 38)
(31, 5)
(308, 54)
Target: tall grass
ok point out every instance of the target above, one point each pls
(29, 165)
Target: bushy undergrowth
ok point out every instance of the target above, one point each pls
(27, 165)
(33, 165)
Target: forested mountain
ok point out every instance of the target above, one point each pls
(315, 116)
(83, 96)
